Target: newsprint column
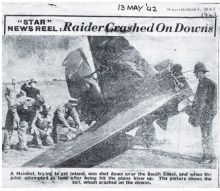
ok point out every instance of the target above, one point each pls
(110, 95)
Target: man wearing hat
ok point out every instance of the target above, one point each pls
(178, 83)
(146, 134)
(42, 126)
(203, 110)
(30, 88)
(179, 80)
(66, 117)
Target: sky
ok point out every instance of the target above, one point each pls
(41, 57)
(38, 57)
(186, 51)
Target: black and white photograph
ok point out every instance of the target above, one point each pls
(111, 101)
(102, 102)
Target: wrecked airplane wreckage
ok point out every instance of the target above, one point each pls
(122, 92)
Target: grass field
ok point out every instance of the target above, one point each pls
(176, 149)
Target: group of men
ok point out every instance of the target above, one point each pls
(28, 110)
(30, 113)
(201, 109)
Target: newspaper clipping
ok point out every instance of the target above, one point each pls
(110, 94)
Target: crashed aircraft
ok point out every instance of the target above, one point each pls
(122, 92)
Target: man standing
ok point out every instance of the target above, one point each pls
(146, 134)
(30, 88)
(203, 110)
(178, 84)
(12, 119)
(61, 120)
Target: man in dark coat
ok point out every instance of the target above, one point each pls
(203, 110)
(30, 89)
(178, 83)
